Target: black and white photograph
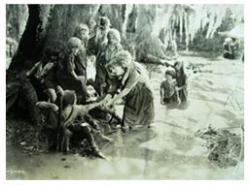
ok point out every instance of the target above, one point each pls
(124, 91)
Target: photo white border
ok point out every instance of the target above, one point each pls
(122, 182)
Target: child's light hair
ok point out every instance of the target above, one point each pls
(115, 33)
(122, 58)
(74, 42)
(170, 71)
(81, 27)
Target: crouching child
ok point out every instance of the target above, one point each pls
(70, 125)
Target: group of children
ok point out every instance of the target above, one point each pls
(75, 122)
(72, 106)
(75, 108)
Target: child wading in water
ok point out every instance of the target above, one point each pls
(169, 94)
(181, 79)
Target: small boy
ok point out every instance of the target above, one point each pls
(72, 73)
(168, 92)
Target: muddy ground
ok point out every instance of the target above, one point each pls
(168, 150)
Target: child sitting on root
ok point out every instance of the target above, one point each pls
(70, 125)
(40, 74)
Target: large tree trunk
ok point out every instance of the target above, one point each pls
(47, 25)
(29, 51)
(31, 41)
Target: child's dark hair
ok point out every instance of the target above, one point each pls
(182, 72)
(170, 72)
(55, 49)
(69, 98)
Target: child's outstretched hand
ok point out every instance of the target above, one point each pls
(162, 101)
(110, 103)
(59, 90)
(107, 98)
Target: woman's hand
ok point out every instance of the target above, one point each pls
(107, 98)
(110, 103)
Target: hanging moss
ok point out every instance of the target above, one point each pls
(194, 27)
(16, 17)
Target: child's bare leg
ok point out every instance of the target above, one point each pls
(66, 139)
(103, 137)
(52, 95)
(97, 130)
(86, 130)
(83, 82)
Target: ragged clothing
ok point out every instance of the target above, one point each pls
(68, 72)
(168, 88)
(107, 53)
(139, 102)
(69, 121)
(182, 82)
(168, 91)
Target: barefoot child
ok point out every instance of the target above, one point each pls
(70, 124)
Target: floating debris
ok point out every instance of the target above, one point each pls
(224, 147)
